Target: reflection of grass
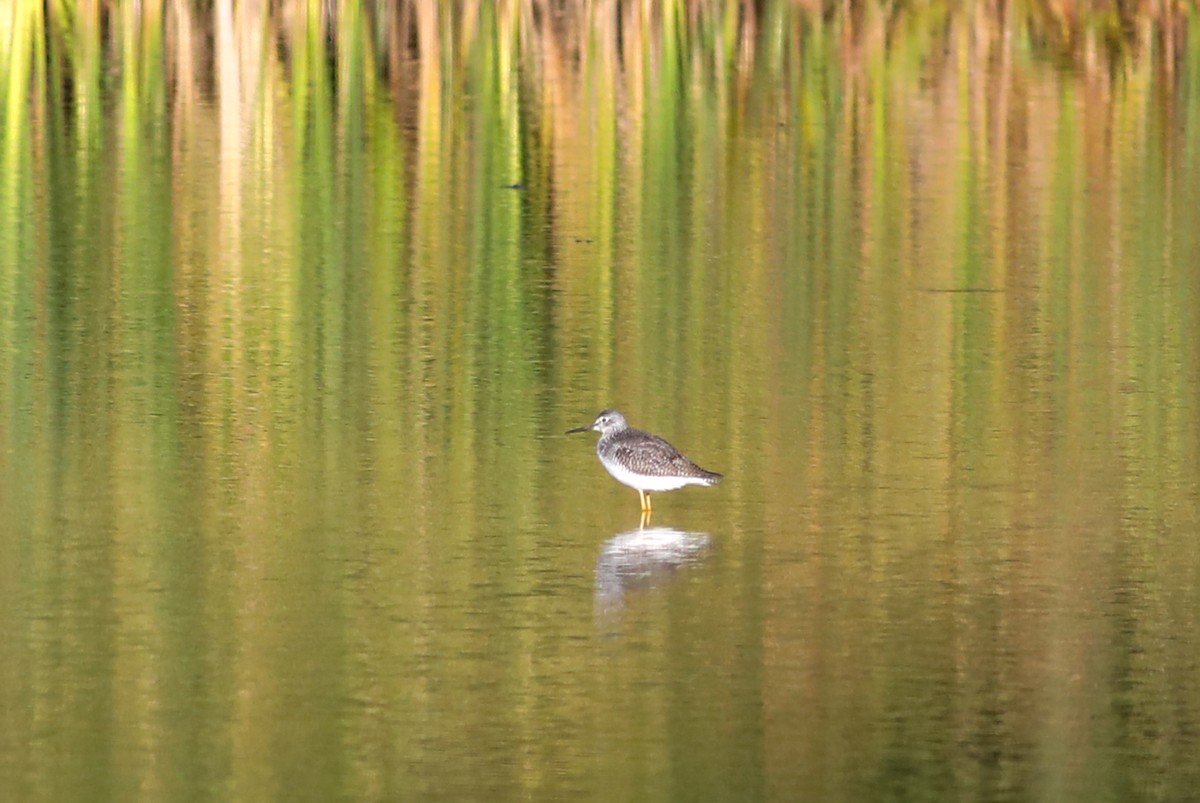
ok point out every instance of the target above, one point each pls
(719, 34)
(411, 116)
(656, 55)
(271, 245)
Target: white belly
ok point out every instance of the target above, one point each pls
(649, 484)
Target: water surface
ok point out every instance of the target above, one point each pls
(295, 311)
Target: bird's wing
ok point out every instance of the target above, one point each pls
(660, 458)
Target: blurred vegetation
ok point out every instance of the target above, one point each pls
(299, 160)
(273, 274)
(72, 43)
(247, 185)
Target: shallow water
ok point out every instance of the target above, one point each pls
(293, 325)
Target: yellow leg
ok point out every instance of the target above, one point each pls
(645, 519)
(645, 497)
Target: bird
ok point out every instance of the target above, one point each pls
(644, 462)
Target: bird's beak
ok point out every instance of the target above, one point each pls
(579, 429)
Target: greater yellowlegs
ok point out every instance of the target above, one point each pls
(643, 461)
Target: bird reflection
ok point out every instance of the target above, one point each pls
(644, 558)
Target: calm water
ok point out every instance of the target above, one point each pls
(293, 317)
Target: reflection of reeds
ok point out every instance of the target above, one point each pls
(721, 35)
(642, 56)
(290, 90)
(267, 243)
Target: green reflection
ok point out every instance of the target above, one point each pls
(295, 298)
